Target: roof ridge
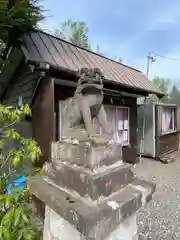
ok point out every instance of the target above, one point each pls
(49, 34)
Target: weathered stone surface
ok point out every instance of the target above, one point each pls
(86, 154)
(93, 184)
(146, 187)
(55, 227)
(95, 221)
(87, 183)
(127, 230)
(86, 105)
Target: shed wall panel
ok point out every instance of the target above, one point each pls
(146, 128)
(22, 84)
(43, 116)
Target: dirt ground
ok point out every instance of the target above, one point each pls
(160, 219)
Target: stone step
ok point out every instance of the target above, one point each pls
(84, 154)
(101, 182)
(94, 221)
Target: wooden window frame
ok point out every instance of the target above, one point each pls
(174, 118)
(122, 107)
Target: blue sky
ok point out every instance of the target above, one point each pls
(126, 28)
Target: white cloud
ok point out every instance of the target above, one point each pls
(169, 14)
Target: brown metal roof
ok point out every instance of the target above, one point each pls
(43, 47)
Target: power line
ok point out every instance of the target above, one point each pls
(158, 55)
(152, 58)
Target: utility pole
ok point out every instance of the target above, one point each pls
(150, 59)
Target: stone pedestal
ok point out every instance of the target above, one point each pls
(90, 193)
(57, 228)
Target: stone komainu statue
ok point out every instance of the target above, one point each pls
(80, 110)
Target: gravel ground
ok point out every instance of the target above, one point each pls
(160, 219)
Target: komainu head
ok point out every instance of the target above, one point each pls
(89, 80)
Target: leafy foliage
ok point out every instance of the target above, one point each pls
(17, 17)
(174, 95)
(162, 83)
(171, 91)
(15, 216)
(16, 221)
(75, 32)
(98, 51)
(2, 47)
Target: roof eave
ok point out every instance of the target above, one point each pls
(47, 66)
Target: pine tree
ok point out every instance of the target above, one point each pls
(17, 17)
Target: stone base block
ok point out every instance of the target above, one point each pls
(102, 182)
(85, 154)
(55, 227)
(94, 221)
(127, 230)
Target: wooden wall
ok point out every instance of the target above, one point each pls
(22, 84)
(168, 143)
(45, 108)
(43, 117)
(43, 125)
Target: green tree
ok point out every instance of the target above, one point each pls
(2, 47)
(98, 51)
(164, 85)
(120, 60)
(17, 18)
(16, 220)
(74, 32)
(174, 95)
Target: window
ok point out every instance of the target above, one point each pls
(118, 119)
(168, 123)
